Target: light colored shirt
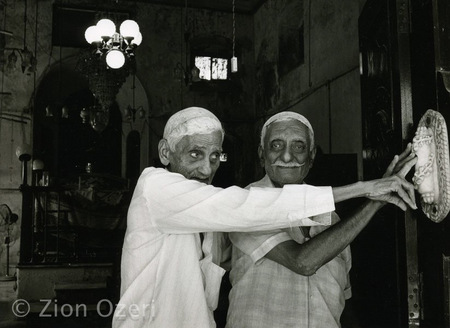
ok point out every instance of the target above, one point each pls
(167, 280)
(266, 294)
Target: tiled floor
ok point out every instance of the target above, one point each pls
(8, 319)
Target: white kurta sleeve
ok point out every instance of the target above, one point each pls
(178, 205)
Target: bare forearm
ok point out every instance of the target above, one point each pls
(308, 257)
(353, 190)
(328, 244)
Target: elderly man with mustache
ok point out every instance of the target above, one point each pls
(295, 277)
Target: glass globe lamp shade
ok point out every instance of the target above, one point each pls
(92, 34)
(129, 28)
(115, 58)
(141, 113)
(106, 27)
(23, 152)
(137, 39)
(38, 165)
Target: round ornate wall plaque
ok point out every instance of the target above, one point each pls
(432, 173)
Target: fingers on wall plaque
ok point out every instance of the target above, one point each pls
(432, 172)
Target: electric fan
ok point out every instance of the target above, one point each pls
(7, 218)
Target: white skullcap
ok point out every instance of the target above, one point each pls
(288, 116)
(189, 121)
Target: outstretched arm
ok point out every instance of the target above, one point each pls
(392, 188)
(307, 258)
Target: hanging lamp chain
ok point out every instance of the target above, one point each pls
(234, 25)
(25, 24)
(234, 64)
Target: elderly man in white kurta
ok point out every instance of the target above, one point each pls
(170, 277)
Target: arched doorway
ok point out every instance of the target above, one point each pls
(63, 138)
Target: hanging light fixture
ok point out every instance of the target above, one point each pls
(129, 113)
(116, 47)
(234, 62)
(28, 60)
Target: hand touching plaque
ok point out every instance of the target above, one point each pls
(432, 173)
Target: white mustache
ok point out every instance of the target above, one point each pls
(282, 164)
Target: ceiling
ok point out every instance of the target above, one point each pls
(241, 6)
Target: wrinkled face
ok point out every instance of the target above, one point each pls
(197, 156)
(286, 156)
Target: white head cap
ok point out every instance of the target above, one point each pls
(189, 121)
(288, 116)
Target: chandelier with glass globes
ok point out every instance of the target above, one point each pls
(116, 47)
